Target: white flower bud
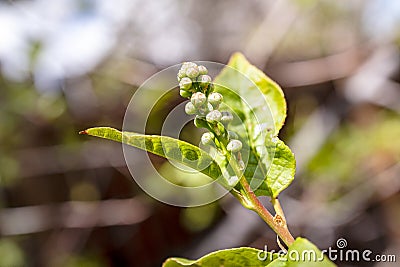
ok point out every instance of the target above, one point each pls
(181, 74)
(226, 117)
(192, 72)
(185, 84)
(215, 99)
(187, 65)
(207, 138)
(190, 109)
(204, 110)
(204, 80)
(214, 116)
(202, 70)
(234, 145)
(198, 99)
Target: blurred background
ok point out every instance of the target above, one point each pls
(66, 65)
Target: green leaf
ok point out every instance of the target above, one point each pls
(280, 173)
(260, 109)
(310, 255)
(235, 257)
(302, 253)
(246, 81)
(167, 147)
(278, 263)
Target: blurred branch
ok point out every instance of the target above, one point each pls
(272, 30)
(73, 214)
(320, 70)
(371, 83)
(367, 85)
(313, 134)
(62, 159)
(130, 71)
(349, 205)
(230, 232)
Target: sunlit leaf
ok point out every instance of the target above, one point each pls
(302, 253)
(167, 147)
(281, 171)
(235, 257)
(260, 105)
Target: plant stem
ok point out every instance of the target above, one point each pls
(250, 201)
(279, 228)
(278, 208)
(242, 199)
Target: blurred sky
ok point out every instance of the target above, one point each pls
(76, 35)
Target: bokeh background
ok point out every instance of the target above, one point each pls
(66, 65)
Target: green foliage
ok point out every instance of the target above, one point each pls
(261, 106)
(365, 148)
(11, 254)
(83, 261)
(199, 218)
(280, 173)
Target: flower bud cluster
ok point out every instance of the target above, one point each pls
(195, 84)
(193, 78)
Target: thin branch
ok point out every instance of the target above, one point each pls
(278, 209)
(276, 226)
(73, 214)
